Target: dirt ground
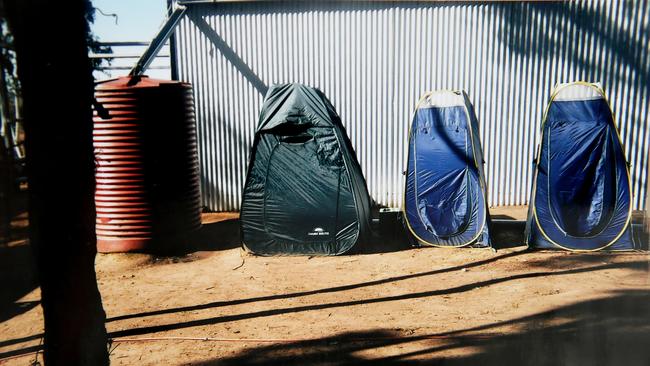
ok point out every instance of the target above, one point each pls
(411, 306)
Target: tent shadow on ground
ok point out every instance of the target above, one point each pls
(220, 235)
(608, 331)
(226, 234)
(507, 233)
(223, 235)
(389, 234)
(392, 235)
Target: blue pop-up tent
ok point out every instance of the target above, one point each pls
(445, 200)
(581, 196)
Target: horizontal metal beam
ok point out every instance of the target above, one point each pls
(124, 43)
(130, 68)
(192, 2)
(113, 55)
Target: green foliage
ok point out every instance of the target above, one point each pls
(94, 45)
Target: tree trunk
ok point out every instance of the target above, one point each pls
(57, 89)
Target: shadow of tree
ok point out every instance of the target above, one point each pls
(566, 22)
(609, 331)
(314, 292)
(641, 266)
(17, 265)
(559, 41)
(604, 42)
(637, 265)
(18, 278)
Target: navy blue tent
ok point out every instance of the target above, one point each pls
(445, 200)
(581, 196)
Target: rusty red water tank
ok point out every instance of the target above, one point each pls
(147, 168)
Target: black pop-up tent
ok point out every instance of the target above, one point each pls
(304, 193)
(581, 197)
(445, 202)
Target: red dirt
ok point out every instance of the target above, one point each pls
(465, 306)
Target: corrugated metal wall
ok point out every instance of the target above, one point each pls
(374, 60)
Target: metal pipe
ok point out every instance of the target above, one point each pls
(159, 40)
